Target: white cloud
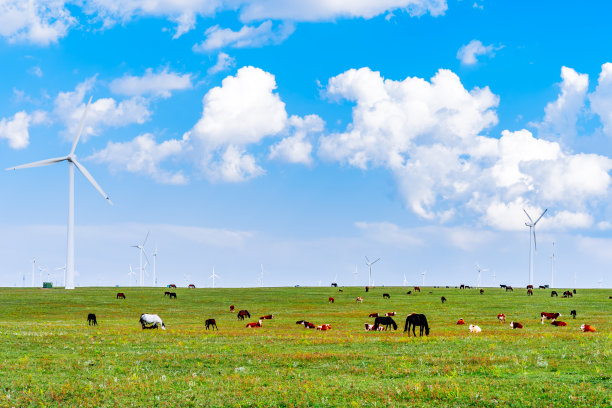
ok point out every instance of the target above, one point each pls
(143, 155)
(224, 62)
(389, 233)
(16, 130)
(561, 115)
(104, 112)
(234, 165)
(467, 54)
(247, 36)
(297, 148)
(158, 84)
(36, 71)
(40, 22)
(601, 99)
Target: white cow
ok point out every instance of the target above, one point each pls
(152, 319)
(475, 329)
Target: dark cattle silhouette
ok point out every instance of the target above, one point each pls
(443, 299)
(574, 291)
(91, 320)
(529, 286)
(481, 291)
(529, 292)
(462, 286)
(191, 286)
(502, 286)
(334, 284)
(554, 293)
(367, 288)
(373, 315)
(243, 313)
(166, 293)
(120, 295)
(232, 308)
(212, 323)
(509, 289)
(409, 292)
(331, 300)
(415, 320)
(384, 321)
(573, 314)
(172, 295)
(386, 296)
(417, 288)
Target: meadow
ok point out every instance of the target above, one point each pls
(50, 357)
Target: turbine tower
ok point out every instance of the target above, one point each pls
(261, 276)
(423, 274)
(33, 268)
(131, 273)
(64, 269)
(154, 265)
(142, 251)
(405, 280)
(213, 276)
(531, 224)
(355, 274)
(552, 268)
(480, 270)
(72, 162)
(370, 266)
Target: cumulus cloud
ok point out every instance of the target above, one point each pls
(143, 155)
(601, 99)
(157, 84)
(16, 129)
(298, 147)
(246, 37)
(467, 54)
(34, 21)
(224, 62)
(104, 112)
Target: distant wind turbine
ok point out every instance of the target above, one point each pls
(142, 251)
(355, 274)
(41, 269)
(131, 274)
(34, 267)
(72, 162)
(480, 270)
(552, 268)
(154, 264)
(369, 264)
(62, 268)
(213, 276)
(405, 280)
(423, 274)
(261, 276)
(531, 224)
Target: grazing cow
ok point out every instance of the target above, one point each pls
(558, 323)
(370, 327)
(340, 290)
(331, 300)
(409, 292)
(502, 286)
(166, 293)
(254, 324)
(324, 327)
(443, 299)
(574, 291)
(308, 325)
(554, 293)
(367, 288)
(172, 285)
(509, 289)
(386, 296)
(529, 286)
(232, 308)
(334, 285)
(151, 319)
(460, 321)
(529, 292)
(120, 295)
(373, 315)
(541, 287)
(475, 329)
(243, 313)
(501, 317)
(390, 314)
(481, 291)
(587, 328)
(266, 317)
(172, 295)
(573, 314)
(212, 323)
(516, 325)
(384, 321)
(549, 316)
(417, 288)
(300, 322)
(468, 287)
(415, 320)
(568, 293)
(359, 299)
(91, 320)
(191, 286)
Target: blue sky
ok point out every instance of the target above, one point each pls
(307, 136)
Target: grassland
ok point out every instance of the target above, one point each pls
(50, 357)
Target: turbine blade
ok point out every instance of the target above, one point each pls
(367, 260)
(528, 216)
(39, 163)
(78, 135)
(540, 217)
(146, 257)
(93, 182)
(378, 259)
(147, 237)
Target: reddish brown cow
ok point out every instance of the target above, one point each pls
(266, 317)
(373, 315)
(529, 292)
(558, 323)
(331, 300)
(417, 288)
(460, 321)
(324, 327)
(501, 317)
(587, 328)
(231, 308)
(549, 316)
(120, 295)
(516, 325)
(255, 324)
(390, 314)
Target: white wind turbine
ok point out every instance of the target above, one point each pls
(405, 280)
(480, 270)
(34, 267)
(213, 276)
(142, 251)
(261, 276)
(154, 267)
(62, 268)
(355, 274)
(423, 275)
(531, 224)
(369, 264)
(131, 274)
(41, 269)
(72, 162)
(552, 267)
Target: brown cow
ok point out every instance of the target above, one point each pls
(558, 323)
(460, 321)
(331, 300)
(120, 295)
(516, 325)
(549, 316)
(212, 323)
(587, 328)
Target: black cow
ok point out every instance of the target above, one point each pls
(386, 296)
(415, 320)
(212, 323)
(384, 321)
(91, 319)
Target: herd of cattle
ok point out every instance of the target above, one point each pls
(413, 320)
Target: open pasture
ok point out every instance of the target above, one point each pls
(49, 356)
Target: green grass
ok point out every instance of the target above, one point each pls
(50, 357)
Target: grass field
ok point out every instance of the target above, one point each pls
(50, 357)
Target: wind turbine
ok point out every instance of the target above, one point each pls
(480, 270)
(142, 251)
(370, 266)
(213, 276)
(72, 162)
(131, 273)
(423, 274)
(552, 268)
(41, 269)
(261, 276)
(531, 224)
(34, 267)
(154, 271)
(405, 280)
(355, 274)
(64, 269)
(494, 282)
